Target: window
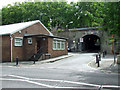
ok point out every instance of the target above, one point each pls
(54, 44)
(18, 41)
(62, 45)
(29, 40)
(58, 44)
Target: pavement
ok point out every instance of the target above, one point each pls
(30, 63)
(106, 64)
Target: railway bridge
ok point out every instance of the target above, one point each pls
(85, 39)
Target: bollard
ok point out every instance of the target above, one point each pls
(97, 61)
(99, 57)
(96, 58)
(16, 61)
(98, 64)
(34, 59)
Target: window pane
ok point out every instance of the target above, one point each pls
(63, 45)
(58, 44)
(18, 42)
(54, 44)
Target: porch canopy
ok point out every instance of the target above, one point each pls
(44, 35)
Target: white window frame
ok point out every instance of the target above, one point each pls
(60, 41)
(18, 40)
(54, 44)
(63, 43)
(29, 40)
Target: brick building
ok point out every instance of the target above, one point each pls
(30, 40)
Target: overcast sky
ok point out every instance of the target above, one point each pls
(6, 2)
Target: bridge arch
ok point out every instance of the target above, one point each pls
(91, 43)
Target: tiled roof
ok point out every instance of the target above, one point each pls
(13, 28)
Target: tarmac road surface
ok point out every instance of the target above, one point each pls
(72, 72)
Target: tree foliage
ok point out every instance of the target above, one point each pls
(111, 17)
(52, 14)
(64, 15)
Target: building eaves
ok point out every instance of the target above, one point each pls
(44, 35)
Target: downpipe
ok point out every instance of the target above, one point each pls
(11, 39)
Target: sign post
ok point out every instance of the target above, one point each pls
(81, 46)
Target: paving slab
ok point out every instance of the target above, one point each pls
(31, 63)
(106, 64)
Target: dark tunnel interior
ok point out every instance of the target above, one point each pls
(91, 43)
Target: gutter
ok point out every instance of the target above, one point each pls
(11, 39)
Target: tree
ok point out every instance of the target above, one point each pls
(54, 14)
(111, 18)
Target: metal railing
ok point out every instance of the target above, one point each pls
(37, 55)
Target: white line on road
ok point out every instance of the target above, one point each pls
(28, 80)
(111, 86)
(18, 77)
(35, 83)
(64, 81)
(40, 84)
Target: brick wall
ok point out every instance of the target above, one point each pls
(6, 48)
(0, 48)
(30, 49)
(55, 53)
(26, 51)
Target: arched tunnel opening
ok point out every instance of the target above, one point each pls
(91, 43)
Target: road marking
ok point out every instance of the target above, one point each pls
(18, 77)
(36, 83)
(40, 84)
(111, 86)
(6, 79)
(64, 81)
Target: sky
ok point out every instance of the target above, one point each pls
(6, 2)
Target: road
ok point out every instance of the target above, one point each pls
(72, 72)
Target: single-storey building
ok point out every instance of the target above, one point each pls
(30, 40)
